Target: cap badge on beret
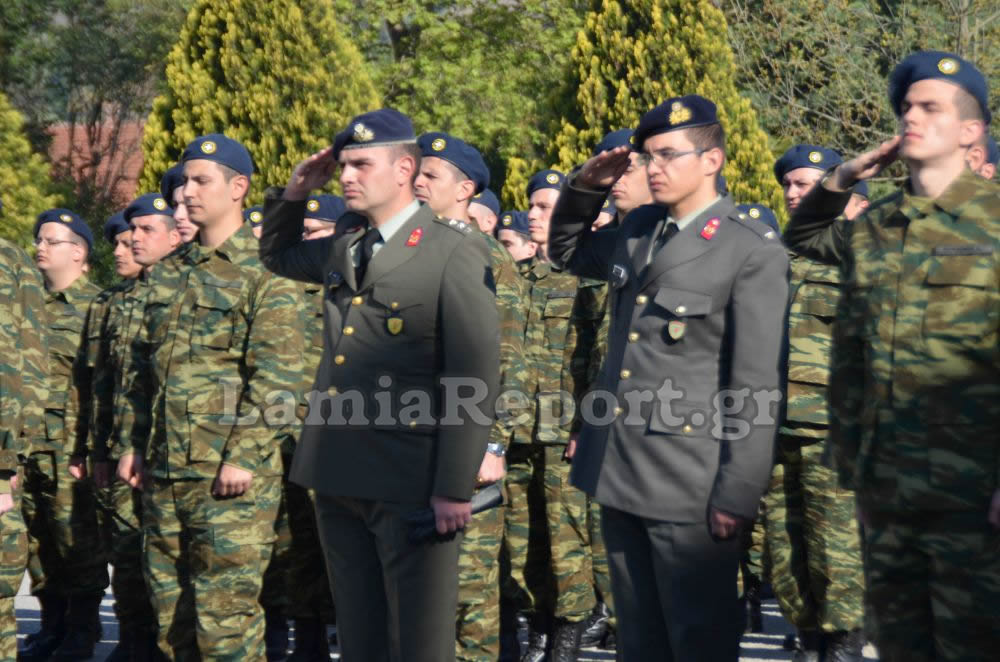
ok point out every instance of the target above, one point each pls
(631, 139)
(754, 212)
(815, 157)
(160, 204)
(362, 133)
(438, 144)
(208, 147)
(679, 113)
(506, 219)
(257, 217)
(552, 178)
(948, 66)
(65, 218)
(312, 205)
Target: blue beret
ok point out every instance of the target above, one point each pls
(762, 214)
(721, 185)
(150, 204)
(938, 64)
(172, 179)
(992, 153)
(115, 226)
(516, 221)
(619, 138)
(674, 114)
(375, 128)
(225, 151)
(861, 188)
(489, 200)
(325, 207)
(68, 218)
(609, 206)
(546, 179)
(805, 156)
(254, 216)
(457, 152)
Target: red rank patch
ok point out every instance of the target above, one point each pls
(415, 237)
(710, 228)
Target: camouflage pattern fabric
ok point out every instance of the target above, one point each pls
(914, 393)
(599, 560)
(120, 509)
(13, 558)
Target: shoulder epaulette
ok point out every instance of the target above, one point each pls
(454, 224)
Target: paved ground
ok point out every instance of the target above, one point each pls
(765, 646)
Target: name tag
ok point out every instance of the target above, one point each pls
(964, 249)
(619, 276)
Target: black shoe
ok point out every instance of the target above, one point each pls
(537, 643)
(81, 635)
(755, 617)
(566, 641)
(39, 645)
(844, 646)
(595, 627)
(610, 641)
(807, 647)
(275, 635)
(311, 644)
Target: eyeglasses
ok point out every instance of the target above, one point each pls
(52, 242)
(664, 156)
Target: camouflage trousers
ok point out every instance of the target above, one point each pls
(66, 555)
(811, 541)
(477, 621)
(13, 559)
(934, 587)
(754, 566)
(546, 536)
(599, 559)
(204, 561)
(120, 514)
(295, 580)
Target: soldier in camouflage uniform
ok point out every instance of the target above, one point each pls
(451, 173)
(811, 534)
(221, 340)
(113, 321)
(23, 388)
(915, 370)
(66, 562)
(546, 528)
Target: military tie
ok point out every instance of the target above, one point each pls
(367, 249)
(661, 240)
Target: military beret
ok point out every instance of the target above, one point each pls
(721, 185)
(615, 139)
(992, 153)
(225, 151)
(516, 221)
(172, 179)
(254, 216)
(375, 128)
(325, 207)
(68, 218)
(923, 65)
(150, 204)
(609, 206)
(805, 156)
(546, 179)
(115, 226)
(457, 152)
(861, 188)
(674, 114)
(762, 214)
(488, 199)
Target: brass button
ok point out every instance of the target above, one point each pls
(394, 305)
(331, 391)
(641, 299)
(681, 309)
(626, 374)
(348, 330)
(687, 429)
(619, 411)
(339, 359)
(633, 337)
(357, 301)
(413, 424)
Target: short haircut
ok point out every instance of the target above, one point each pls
(82, 243)
(169, 222)
(968, 107)
(709, 136)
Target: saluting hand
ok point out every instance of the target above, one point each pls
(866, 165)
(604, 169)
(312, 173)
(450, 514)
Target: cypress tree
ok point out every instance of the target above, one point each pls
(25, 187)
(277, 75)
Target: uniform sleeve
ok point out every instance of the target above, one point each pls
(512, 301)
(591, 303)
(813, 231)
(758, 304)
(82, 404)
(272, 364)
(573, 247)
(470, 347)
(135, 418)
(103, 395)
(281, 247)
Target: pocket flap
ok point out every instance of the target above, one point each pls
(682, 303)
(968, 270)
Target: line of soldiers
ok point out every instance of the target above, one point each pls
(164, 425)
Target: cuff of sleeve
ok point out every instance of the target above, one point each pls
(738, 497)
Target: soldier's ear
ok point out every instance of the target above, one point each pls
(971, 132)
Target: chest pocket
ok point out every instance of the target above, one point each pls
(556, 313)
(818, 295)
(961, 296)
(401, 312)
(215, 310)
(676, 309)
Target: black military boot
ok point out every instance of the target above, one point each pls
(751, 593)
(81, 634)
(844, 646)
(311, 644)
(807, 647)
(275, 635)
(595, 627)
(538, 640)
(510, 625)
(39, 646)
(566, 641)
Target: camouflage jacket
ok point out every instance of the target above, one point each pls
(813, 291)
(564, 315)
(65, 430)
(220, 345)
(25, 368)
(915, 377)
